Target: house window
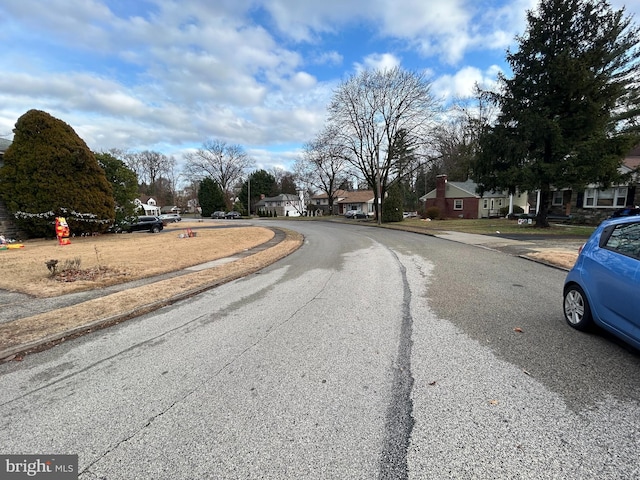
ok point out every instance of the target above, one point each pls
(557, 198)
(485, 204)
(608, 198)
(457, 204)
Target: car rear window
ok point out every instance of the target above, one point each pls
(625, 239)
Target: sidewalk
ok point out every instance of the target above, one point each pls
(556, 252)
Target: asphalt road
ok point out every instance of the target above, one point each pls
(365, 354)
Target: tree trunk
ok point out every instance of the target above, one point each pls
(541, 218)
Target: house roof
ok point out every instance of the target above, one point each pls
(465, 189)
(358, 196)
(283, 197)
(632, 162)
(145, 198)
(336, 194)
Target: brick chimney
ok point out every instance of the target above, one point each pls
(441, 189)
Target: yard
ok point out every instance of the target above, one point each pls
(100, 261)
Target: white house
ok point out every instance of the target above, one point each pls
(285, 205)
(148, 204)
(357, 200)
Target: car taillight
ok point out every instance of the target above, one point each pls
(580, 249)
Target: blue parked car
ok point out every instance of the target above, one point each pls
(603, 287)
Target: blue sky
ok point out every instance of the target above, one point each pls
(167, 75)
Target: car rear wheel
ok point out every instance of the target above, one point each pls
(577, 312)
(155, 229)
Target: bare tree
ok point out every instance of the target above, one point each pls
(322, 163)
(225, 164)
(155, 171)
(153, 166)
(456, 139)
(370, 109)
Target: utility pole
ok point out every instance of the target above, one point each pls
(378, 185)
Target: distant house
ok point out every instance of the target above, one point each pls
(594, 202)
(170, 209)
(460, 200)
(284, 205)
(321, 201)
(357, 200)
(147, 204)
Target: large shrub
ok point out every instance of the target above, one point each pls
(517, 209)
(392, 205)
(49, 171)
(124, 183)
(210, 197)
(432, 213)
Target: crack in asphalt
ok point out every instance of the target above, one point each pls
(399, 422)
(137, 431)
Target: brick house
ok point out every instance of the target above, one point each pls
(594, 203)
(320, 202)
(460, 200)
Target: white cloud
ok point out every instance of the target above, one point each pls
(462, 83)
(171, 74)
(378, 61)
(328, 58)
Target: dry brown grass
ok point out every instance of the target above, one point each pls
(49, 328)
(560, 258)
(29, 332)
(113, 259)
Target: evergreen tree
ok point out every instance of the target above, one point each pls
(393, 204)
(262, 183)
(288, 184)
(210, 197)
(568, 115)
(49, 171)
(124, 183)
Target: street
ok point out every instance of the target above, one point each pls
(367, 353)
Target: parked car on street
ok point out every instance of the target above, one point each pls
(355, 214)
(603, 287)
(218, 214)
(144, 223)
(170, 217)
(232, 215)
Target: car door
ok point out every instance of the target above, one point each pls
(616, 277)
